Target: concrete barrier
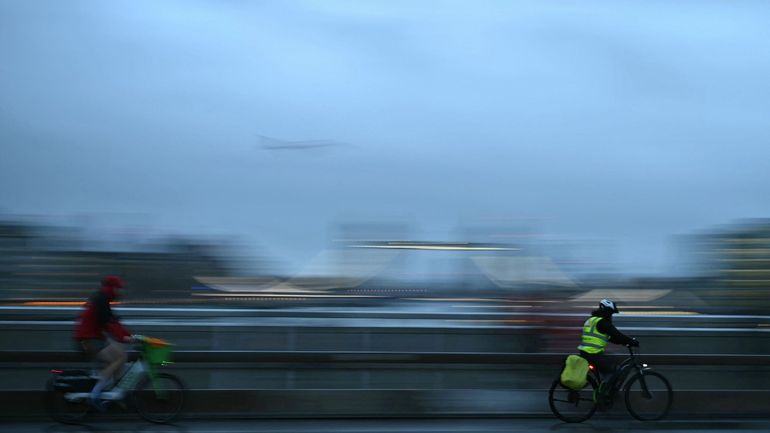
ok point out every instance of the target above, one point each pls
(419, 384)
(402, 403)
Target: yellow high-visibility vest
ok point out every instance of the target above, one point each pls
(592, 340)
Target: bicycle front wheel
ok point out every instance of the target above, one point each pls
(159, 399)
(648, 396)
(572, 406)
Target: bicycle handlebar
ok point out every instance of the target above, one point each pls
(140, 340)
(633, 353)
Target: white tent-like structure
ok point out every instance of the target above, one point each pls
(522, 271)
(329, 269)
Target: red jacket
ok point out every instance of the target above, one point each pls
(98, 319)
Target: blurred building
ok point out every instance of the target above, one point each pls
(41, 262)
(737, 256)
(743, 255)
(736, 259)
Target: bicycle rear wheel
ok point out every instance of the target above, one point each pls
(572, 406)
(648, 396)
(61, 409)
(159, 399)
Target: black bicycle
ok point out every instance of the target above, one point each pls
(157, 396)
(648, 394)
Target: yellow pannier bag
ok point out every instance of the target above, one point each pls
(575, 372)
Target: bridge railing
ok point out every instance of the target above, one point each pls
(386, 384)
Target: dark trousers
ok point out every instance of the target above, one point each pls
(604, 365)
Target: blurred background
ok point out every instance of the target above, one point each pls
(723, 270)
(317, 174)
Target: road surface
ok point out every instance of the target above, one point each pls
(392, 426)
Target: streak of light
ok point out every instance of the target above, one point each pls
(457, 299)
(273, 295)
(488, 321)
(60, 303)
(661, 313)
(56, 274)
(493, 306)
(434, 247)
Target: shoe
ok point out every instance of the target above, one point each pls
(114, 394)
(599, 401)
(598, 393)
(602, 400)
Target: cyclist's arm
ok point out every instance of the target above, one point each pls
(119, 332)
(617, 337)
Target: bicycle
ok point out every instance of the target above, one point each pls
(648, 395)
(157, 397)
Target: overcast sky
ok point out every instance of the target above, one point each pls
(626, 122)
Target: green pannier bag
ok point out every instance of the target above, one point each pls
(575, 374)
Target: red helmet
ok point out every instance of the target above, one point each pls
(112, 281)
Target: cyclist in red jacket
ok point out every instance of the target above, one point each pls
(97, 322)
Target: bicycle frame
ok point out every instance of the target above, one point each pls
(131, 375)
(624, 370)
(631, 377)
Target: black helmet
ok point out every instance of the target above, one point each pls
(606, 304)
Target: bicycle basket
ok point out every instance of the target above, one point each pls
(156, 351)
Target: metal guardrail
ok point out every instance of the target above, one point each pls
(320, 357)
(70, 313)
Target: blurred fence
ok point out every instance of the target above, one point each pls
(300, 363)
(430, 384)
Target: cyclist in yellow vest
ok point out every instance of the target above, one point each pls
(598, 330)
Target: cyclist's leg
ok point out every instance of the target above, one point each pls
(596, 360)
(99, 350)
(608, 369)
(92, 347)
(605, 366)
(114, 357)
(606, 391)
(113, 372)
(602, 373)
